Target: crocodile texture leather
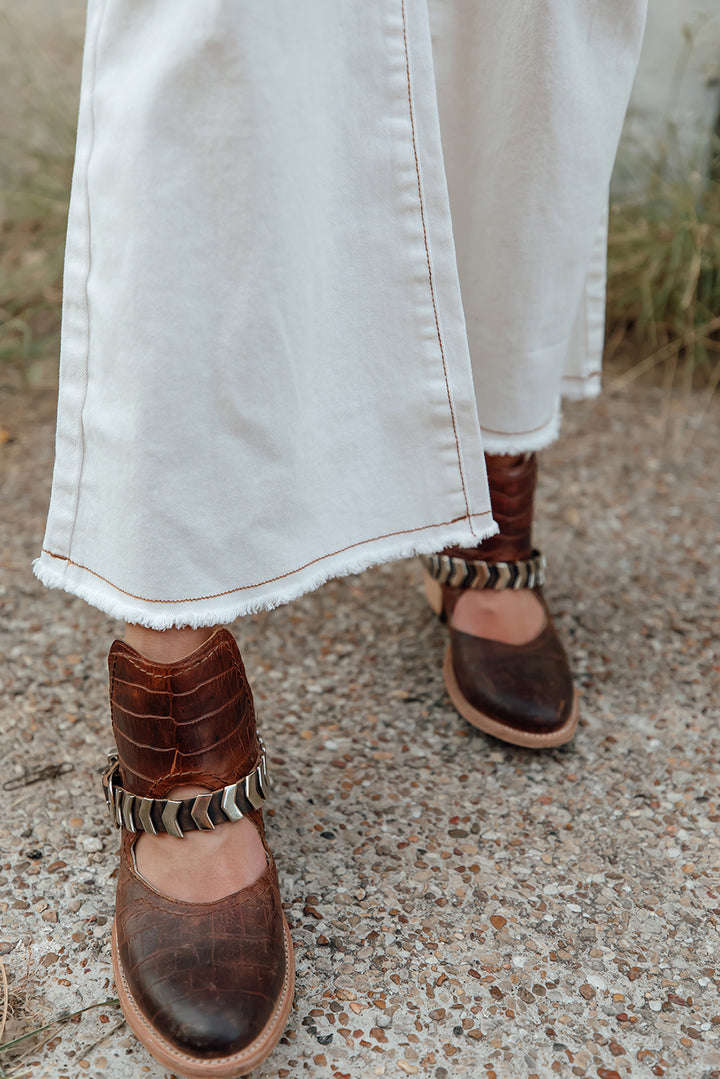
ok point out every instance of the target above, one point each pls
(525, 687)
(512, 483)
(522, 689)
(206, 977)
(186, 722)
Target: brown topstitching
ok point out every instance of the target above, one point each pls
(467, 516)
(269, 580)
(429, 268)
(512, 434)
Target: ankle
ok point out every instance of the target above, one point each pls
(167, 645)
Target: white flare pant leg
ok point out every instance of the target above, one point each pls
(532, 98)
(281, 331)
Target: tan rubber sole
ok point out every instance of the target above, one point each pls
(230, 1067)
(500, 730)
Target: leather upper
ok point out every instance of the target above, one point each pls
(191, 721)
(524, 687)
(527, 687)
(207, 976)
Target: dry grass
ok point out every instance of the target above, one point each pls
(40, 70)
(28, 1034)
(664, 280)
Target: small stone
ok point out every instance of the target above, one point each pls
(498, 921)
(409, 1069)
(587, 991)
(90, 843)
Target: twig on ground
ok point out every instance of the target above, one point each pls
(5, 999)
(61, 1019)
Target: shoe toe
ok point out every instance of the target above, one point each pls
(526, 688)
(206, 977)
(212, 1024)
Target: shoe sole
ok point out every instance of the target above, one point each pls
(229, 1067)
(499, 730)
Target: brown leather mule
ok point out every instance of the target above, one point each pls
(524, 693)
(206, 987)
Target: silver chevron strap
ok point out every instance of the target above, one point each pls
(177, 816)
(476, 573)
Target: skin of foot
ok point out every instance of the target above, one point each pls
(202, 866)
(507, 616)
(205, 865)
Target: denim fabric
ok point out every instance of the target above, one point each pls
(266, 374)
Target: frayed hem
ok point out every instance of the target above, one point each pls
(222, 610)
(582, 390)
(525, 442)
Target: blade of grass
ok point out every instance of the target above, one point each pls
(6, 999)
(113, 1002)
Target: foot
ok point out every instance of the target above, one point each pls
(508, 616)
(202, 866)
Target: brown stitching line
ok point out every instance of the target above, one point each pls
(582, 378)
(429, 267)
(89, 268)
(515, 433)
(269, 580)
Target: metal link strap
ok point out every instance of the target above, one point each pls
(177, 816)
(476, 573)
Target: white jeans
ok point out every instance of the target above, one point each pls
(313, 251)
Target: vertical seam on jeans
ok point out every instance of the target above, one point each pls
(91, 147)
(429, 267)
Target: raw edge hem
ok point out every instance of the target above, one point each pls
(529, 442)
(585, 390)
(223, 610)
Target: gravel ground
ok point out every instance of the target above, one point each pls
(459, 907)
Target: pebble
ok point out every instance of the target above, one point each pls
(459, 907)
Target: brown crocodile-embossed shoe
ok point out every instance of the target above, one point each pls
(520, 693)
(206, 987)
